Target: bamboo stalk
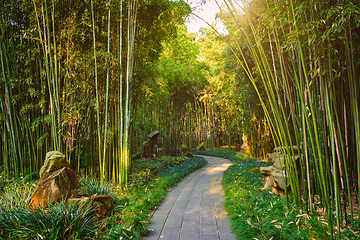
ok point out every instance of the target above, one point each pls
(107, 94)
(97, 96)
(10, 122)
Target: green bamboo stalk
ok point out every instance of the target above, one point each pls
(126, 156)
(5, 154)
(56, 79)
(354, 96)
(97, 96)
(107, 93)
(50, 76)
(10, 122)
(126, 149)
(120, 108)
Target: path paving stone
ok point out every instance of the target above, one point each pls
(194, 209)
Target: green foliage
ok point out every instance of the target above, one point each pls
(60, 221)
(90, 186)
(132, 206)
(301, 59)
(54, 100)
(255, 213)
(139, 200)
(145, 169)
(181, 71)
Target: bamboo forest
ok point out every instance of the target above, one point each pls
(109, 107)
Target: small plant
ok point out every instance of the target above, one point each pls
(90, 186)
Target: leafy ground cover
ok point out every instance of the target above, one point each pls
(259, 214)
(151, 180)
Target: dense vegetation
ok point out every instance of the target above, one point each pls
(129, 219)
(92, 79)
(302, 59)
(260, 214)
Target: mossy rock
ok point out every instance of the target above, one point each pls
(153, 134)
(279, 163)
(277, 177)
(183, 147)
(189, 154)
(201, 146)
(54, 160)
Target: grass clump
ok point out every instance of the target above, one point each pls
(258, 214)
(59, 221)
(129, 219)
(90, 186)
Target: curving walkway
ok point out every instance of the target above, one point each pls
(194, 208)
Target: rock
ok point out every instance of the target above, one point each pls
(245, 146)
(201, 146)
(273, 156)
(279, 149)
(266, 170)
(184, 151)
(104, 200)
(150, 147)
(100, 203)
(183, 148)
(277, 178)
(138, 155)
(55, 186)
(268, 184)
(278, 191)
(53, 161)
(153, 134)
(279, 163)
(275, 175)
(189, 154)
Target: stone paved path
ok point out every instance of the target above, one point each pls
(194, 208)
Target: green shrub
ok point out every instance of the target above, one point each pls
(144, 169)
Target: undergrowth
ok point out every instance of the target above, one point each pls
(151, 180)
(260, 214)
(141, 198)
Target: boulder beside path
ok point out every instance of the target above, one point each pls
(276, 178)
(57, 181)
